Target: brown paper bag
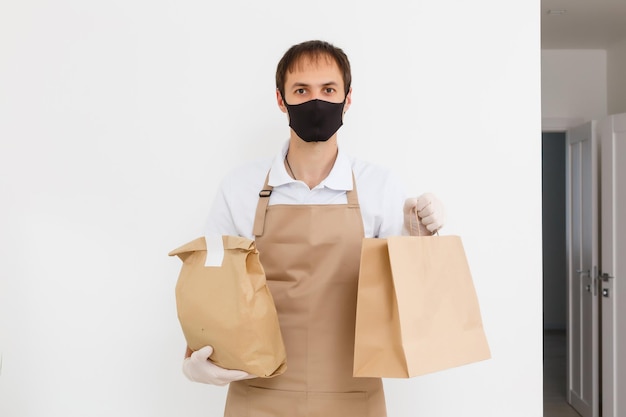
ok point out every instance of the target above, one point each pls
(417, 309)
(230, 307)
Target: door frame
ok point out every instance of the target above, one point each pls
(583, 332)
(614, 303)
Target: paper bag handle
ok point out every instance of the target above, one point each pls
(417, 219)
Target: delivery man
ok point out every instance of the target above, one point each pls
(316, 206)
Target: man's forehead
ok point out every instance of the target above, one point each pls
(319, 59)
(322, 63)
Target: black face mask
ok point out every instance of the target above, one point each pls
(315, 120)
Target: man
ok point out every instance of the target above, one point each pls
(308, 223)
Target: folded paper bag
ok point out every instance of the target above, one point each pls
(229, 307)
(417, 309)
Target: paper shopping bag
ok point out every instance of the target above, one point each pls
(229, 307)
(417, 309)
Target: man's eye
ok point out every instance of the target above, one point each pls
(300, 91)
(330, 90)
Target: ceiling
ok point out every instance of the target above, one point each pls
(585, 24)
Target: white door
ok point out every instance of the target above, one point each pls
(613, 266)
(582, 260)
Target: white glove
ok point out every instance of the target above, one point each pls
(198, 368)
(430, 211)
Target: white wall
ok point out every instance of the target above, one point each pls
(117, 120)
(573, 86)
(616, 82)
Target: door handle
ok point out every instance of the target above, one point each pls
(606, 277)
(586, 273)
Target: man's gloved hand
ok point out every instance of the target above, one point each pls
(430, 211)
(198, 368)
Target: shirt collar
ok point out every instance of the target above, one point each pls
(339, 178)
(278, 172)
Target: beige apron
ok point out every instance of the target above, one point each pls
(310, 254)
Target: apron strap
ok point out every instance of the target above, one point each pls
(353, 198)
(264, 199)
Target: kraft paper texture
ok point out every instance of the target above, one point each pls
(229, 307)
(417, 309)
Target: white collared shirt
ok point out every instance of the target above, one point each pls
(381, 195)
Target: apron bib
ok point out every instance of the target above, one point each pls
(310, 254)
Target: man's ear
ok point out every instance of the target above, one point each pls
(280, 101)
(348, 100)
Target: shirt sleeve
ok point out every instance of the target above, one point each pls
(234, 207)
(381, 198)
(392, 221)
(220, 221)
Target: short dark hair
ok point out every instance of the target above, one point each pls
(312, 49)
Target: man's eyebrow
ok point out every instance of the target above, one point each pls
(300, 84)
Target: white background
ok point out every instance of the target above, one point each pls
(119, 118)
